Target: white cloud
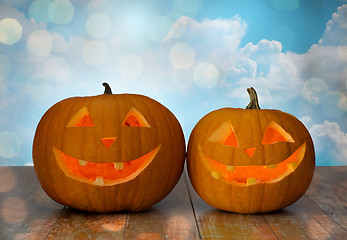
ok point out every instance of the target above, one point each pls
(214, 36)
(306, 119)
(336, 29)
(279, 77)
(181, 56)
(274, 73)
(330, 132)
(314, 89)
(262, 65)
(323, 68)
(323, 62)
(189, 44)
(211, 57)
(319, 75)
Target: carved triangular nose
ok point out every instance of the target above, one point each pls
(250, 151)
(107, 141)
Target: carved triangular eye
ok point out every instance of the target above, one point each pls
(81, 119)
(134, 119)
(275, 133)
(225, 135)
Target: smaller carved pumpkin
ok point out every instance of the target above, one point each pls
(110, 152)
(250, 160)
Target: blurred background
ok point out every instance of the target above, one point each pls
(193, 56)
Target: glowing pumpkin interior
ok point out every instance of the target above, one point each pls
(104, 174)
(249, 175)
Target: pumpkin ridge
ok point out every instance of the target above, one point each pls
(257, 176)
(145, 187)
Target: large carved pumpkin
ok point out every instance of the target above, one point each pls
(110, 152)
(250, 160)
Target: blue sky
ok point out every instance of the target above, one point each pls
(296, 24)
(192, 56)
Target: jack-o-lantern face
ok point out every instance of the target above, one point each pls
(104, 173)
(250, 160)
(110, 152)
(247, 174)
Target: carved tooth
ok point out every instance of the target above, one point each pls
(230, 168)
(82, 163)
(118, 165)
(99, 181)
(251, 181)
(215, 174)
(271, 166)
(292, 165)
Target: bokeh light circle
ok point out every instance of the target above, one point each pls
(95, 53)
(206, 75)
(40, 43)
(314, 90)
(38, 10)
(98, 25)
(61, 11)
(13, 210)
(10, 31)
(10, 144)
(182, 55)
(335, 104)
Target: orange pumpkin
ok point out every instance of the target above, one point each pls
(110, 152)
(250, 160)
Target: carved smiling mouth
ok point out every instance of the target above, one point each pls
(250, 175)
(103, 174)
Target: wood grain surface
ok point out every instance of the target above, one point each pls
(26, 212)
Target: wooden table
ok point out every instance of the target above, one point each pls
(26, 212)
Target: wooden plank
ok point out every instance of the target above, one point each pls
(311, 216)
(304, 220)
(172, 218)
(74, 224)
(216, 224)
(26, 212)
(329, 190)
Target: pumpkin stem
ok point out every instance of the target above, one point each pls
(107, 88)
(254, 99)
